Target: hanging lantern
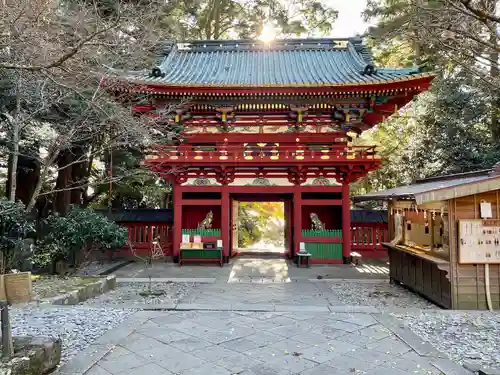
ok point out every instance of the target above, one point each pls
(427, 227)
(408, 224)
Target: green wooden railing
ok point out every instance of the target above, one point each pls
(324, 250)
(201, 254)
(322, 233)
(202, 232)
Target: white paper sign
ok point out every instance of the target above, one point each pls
(219, 243)
(486, 210)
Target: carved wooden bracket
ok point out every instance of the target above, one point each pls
(297, 112)
(297, 175)
(225, 175)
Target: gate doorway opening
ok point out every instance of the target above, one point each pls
(261, 225)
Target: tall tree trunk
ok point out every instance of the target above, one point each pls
(62, 199)
(495, 76)
(28, 173)
(15, 129)
(416, 41)
(78, 175)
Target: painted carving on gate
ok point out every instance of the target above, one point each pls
(321, 181)
(202, 181)
(261, 181)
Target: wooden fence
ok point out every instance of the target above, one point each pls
(140, 236)
(366, 238)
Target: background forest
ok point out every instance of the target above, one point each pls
(66, 142)
(454, 127)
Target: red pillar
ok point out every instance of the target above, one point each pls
(346, 223)
(225, 222)
(288, 227)
(177, 232)
(297, 220)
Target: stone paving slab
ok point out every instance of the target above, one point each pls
(256, 343)
(416, 343)
(246, 269)
(198, 280)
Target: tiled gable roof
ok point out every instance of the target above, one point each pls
(283, 63)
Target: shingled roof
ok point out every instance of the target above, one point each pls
(282, 63)
(440, 188)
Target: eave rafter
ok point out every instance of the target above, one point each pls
(417, 83)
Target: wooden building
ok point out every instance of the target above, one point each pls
(445, 238)
(267, 122)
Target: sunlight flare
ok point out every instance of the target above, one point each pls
(268, 33)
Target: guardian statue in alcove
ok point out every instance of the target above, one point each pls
(206, 223)
(316, 223)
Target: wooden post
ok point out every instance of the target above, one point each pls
(297, 220)
(177, 232)
(346, 224)
(7, 346)
(225, 222)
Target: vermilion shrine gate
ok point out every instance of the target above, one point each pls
(270, 122)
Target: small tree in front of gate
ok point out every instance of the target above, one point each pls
(75, 236)
(14, 229)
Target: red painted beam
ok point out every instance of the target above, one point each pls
(201, 202)
(262, 189)
(322, 202)
(203, 189)
(265, 138)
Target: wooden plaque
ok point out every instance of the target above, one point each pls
(479, 241)
(18, 287)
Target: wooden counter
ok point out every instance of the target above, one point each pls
(422, 273)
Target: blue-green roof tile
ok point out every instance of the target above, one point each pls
(282, 63)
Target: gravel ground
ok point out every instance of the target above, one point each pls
(78, 327)
(466, 337)
(130, 293)
(378, 295)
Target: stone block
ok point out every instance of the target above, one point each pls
(33, 356)
(489, 371)
(100, 286)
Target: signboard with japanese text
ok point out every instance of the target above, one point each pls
(479, 241)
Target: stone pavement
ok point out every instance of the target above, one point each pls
(255, 270)
(258, 296)
(262, 317)
(252, 343)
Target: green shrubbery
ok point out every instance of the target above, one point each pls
(14, 229)
(74, 236)
(71, 237)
